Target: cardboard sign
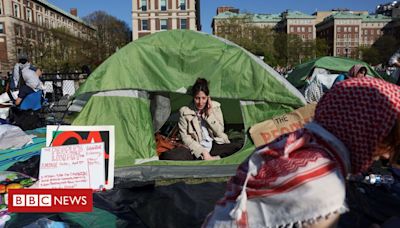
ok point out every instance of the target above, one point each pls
(266, 131)
(72, 166)
(71, 135)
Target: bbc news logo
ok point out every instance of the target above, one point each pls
(50, 200)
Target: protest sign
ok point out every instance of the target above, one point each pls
(266, 131)
(70, 135)
(72, 166)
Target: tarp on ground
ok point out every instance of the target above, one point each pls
(169, 62)
(335, 64)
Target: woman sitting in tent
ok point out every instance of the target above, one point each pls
(201, 127)
(299, 179)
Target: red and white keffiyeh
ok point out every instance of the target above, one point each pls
(300, 177)
(360, 112)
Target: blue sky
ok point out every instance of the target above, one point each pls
(122, 8)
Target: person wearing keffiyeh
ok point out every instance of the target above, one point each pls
(299, 179)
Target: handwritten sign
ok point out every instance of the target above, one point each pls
(72, 135)
(266, 131)
(72, 166)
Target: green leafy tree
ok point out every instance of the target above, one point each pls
(386, 45)
(321, 48)
(111, 34)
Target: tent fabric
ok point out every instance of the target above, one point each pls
(172, 60)
(169, 63)
(175, 205)
(96, 218)
(337, 64)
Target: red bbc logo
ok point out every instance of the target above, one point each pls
(50, 200)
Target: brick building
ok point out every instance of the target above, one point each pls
(261, 20)
(290, 22)
(150, 16)
(345, 32)
(298, 23)
(23, 22)
(321, 15)
(391, 9)
(222, 9)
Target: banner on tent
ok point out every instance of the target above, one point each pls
(266, 131)
(70, 135)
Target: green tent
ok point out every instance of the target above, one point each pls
(335, 64)
(169, 62)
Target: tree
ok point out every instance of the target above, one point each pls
(321, 48)
(277, 48)
(111, 34)
(386, 45)
(370, 55)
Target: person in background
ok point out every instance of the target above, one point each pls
(315, 89)
(31, 83)
(299, 179)
(201, 127)
(356, 71)
(395, 61)
(25, 78)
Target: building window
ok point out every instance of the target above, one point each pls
(182, 4)
(29, 15)
(163, 5)
(18, 31)
(29, 33)
(298, 29)
(183, 24)
(144, 5)
(309, 29)
(339, 29)
(338, 50)
(39, 19)
(345, 29)
(291, 29)
(356, 29)
(1, 28)
(16, 10)
(145, 24)
(163, 24)
(303, 29)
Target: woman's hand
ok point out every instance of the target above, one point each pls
(208, 107)
(207, 156)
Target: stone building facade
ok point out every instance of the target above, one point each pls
(24, 22)
(150, 16)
